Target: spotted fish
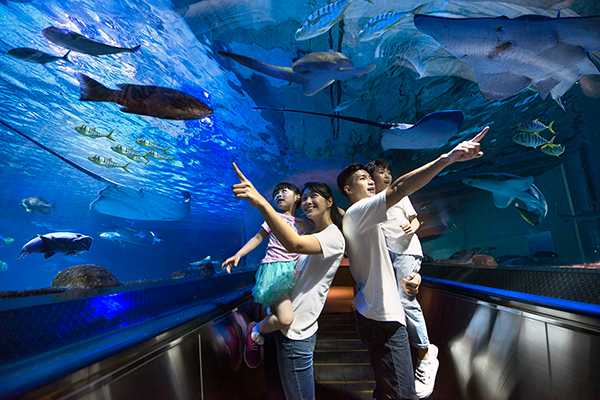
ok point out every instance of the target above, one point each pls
(322, 20)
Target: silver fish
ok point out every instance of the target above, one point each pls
(92, 132)
(107, 162)
(35, 56)
(322, 20)
(79, 43)
(151, 145)
(534, 126)
(130, 153)
(158, 156)
(153, 101)
(553, 149)
(529, 139)
(380, 24)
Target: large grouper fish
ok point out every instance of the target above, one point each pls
(69, 243)
(153, 101)
(79, 43)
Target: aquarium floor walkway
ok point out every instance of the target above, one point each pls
(341, 361)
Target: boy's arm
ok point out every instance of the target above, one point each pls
(247, 248)
(411, 182)
(411, 228)
(286, 235)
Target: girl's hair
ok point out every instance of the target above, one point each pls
(286, 185)
(324, 190)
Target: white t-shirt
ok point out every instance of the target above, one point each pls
(398, 241)
(378, 298)
(316, 274)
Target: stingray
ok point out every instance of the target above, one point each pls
(125, 202)
(509, 55)
(315, 70)
(431, 131)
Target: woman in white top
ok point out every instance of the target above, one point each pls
(320, 257)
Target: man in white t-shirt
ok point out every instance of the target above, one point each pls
(380, 317)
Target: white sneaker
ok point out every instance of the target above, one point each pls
(426, 372)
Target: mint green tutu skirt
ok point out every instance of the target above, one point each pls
(273, 281)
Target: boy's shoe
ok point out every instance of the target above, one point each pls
(426, 372)
(252, 349)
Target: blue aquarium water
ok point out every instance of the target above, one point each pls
(527, 68)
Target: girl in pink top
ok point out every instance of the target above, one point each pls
(277, 273)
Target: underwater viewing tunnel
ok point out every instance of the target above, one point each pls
(121, 123)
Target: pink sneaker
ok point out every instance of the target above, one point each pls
(252, 349)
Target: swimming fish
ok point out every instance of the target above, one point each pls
(430, 132)
(322, 20)
(153, 101)
(553, 149)
(79, 43)
(158, 156)
(71, 244)
(115, 236)
(344, 105)
(38, 204)
(141, 235)
(107, 162)
(151, 145)
(506, 187)
(3, 266)
(508, 55)
(583, 216)
(380, 24)
(534, 126)
(92, 132)
(130, 153)
(122, 201)
(315, 70)
(35, 56)
(196, 263)
(529, 139)
(5, 240)
(155, 239)
(141, 205)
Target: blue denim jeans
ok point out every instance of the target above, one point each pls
(295, 360)
(390, 357)
(404, 264)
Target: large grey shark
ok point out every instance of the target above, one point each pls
(506, 187)
(509, 55)
(315, 70)
(125, 202)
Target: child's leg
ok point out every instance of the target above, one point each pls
(282, 317)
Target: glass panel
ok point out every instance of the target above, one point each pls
(120, 121)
